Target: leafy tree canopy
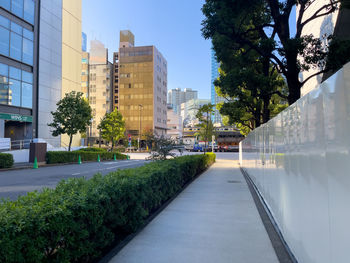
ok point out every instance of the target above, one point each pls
(112, 127)
(263, 26)
(73, 115)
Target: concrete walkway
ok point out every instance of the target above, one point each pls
(213, 220)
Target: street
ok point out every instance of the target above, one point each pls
(19, 182)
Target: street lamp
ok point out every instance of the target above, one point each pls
(140, 107)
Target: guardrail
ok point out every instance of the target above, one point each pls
(300, 162)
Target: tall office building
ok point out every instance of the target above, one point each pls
(115, 80)
(18, 69)
(142, 86)
(215, 99)
(40, 60)
(176, 97)
(100, 84)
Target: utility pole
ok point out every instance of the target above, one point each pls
(140, 106)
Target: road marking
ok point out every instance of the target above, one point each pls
(76, 174)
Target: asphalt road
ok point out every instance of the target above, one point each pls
(19, 182)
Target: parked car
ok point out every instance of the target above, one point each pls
(197, 148)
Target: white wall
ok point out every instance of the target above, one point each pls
(300, 163)
(50, 65)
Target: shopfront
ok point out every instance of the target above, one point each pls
(16, 127)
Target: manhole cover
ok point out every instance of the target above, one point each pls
(234, 182)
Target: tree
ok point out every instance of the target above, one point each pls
(112, 127)
(253, 89)
(206, 125)
(263, 26)
(73, 115)
(162, 147)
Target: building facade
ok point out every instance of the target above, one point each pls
(215, 99)
(142, 87)
(18, 69)
(174, 124)
(189, 110)
(36, 39)
(85, 72)
(176, 97)
(100, 84)
(115, 80)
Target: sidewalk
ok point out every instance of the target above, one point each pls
(213, 220)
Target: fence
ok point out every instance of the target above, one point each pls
(300, 163)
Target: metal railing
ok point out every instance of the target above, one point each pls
(20, 144)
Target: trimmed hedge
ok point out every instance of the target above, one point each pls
(72, 157)
(6, 160)
(81, 218)
(93, 149)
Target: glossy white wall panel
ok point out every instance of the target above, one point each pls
(300, 162)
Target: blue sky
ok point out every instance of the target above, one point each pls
(172, 26)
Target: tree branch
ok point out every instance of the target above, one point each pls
(313, 75)
(317, 13)
(277, 92)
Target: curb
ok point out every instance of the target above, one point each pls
(280, 246)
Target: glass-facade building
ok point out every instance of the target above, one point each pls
(40, 61)
(17, 68)
(215, 99)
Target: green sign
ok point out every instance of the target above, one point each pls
(15, 117)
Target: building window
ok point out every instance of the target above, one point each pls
(17, 7)
(22, 8)
(4, 41)
(16, 87)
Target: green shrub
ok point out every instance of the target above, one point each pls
(6, 160)
(72, 157)
(93, 149)
(80, 218)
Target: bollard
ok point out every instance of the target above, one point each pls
(114, 157)
(35, 166)
(98, 158)
(79, 159)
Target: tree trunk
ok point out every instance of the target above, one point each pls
(266, 110)
(70, 142)
(294, 87)
(112, 144)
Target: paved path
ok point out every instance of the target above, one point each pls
(214, 220)
(18, 182)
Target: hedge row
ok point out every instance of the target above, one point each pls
(6, 160)
(81, 218)
(72, 157)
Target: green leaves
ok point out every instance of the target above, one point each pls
(6, 160)
(81, 218)
(73, 115)
(112, 126)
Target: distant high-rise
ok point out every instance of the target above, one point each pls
(215, 99)
(83, 42)
(176, 97)
(140, 89)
